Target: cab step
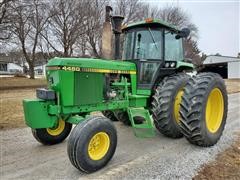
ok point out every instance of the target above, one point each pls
(142, 122)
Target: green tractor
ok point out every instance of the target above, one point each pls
(149, 88)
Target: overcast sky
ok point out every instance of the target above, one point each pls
(217, 21)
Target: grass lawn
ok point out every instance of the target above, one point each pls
(21, 82)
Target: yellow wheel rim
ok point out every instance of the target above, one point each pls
(98, 146)
(57, 130)
(214, 110)
(177, 102)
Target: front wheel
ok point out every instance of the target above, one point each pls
(50, 136)
(92, 144)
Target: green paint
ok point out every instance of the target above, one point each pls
(36, 114)
(92, 63)
(88, 88)
(184, 65)
(144, 92)
(134, 83)
(75, 119)
(109, 105)
(138, 100)
(66, 88)
(146, 129)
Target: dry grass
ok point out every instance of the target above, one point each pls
(20, 82)
(12, 91)
(226, 165)
(11, 110)
(233, 85)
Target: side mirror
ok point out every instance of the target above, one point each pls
(183, 33)
(117, 24)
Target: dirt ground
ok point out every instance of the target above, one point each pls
(226, 165)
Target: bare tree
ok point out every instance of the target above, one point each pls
(28, 21)
(131, 10)
(192, 51)
(66, 25)
(94, 25)
(5, 20)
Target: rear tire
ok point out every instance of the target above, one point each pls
(204, 109)
(110, 115)
(92, 144)
(49, 136)
(122, 116)
(166, 104)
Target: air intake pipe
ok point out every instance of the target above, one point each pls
(116, 27)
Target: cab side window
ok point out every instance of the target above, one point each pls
(173, 47)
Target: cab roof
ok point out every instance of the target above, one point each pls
(149, 22)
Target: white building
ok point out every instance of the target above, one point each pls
(10, 68)
(13, 68)
(40, 70)
(228, 67)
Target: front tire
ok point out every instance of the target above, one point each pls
(166, 104)
(204, 109)
(50, 136)
(92, 144)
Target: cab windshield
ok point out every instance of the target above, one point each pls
(143, 44)
(146, 43)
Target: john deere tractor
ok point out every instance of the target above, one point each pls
(148, 88)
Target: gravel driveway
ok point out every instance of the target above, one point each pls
(150, 158)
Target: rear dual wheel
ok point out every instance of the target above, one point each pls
(166, 104)
(204, 109)
(50, 136)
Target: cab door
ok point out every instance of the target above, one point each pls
(148, 56)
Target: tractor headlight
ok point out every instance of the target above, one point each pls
(45, 94)
(167, 65)
(172, 65)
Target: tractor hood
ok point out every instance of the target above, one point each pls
(60, 63)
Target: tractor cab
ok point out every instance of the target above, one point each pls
(155, 47)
